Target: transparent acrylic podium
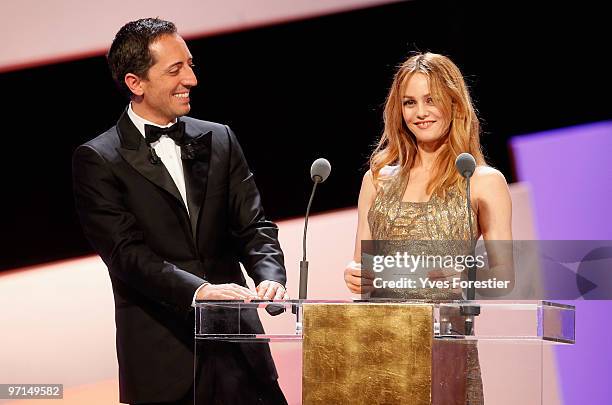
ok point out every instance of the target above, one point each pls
(404, 352)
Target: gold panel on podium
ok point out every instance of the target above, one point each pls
(367, 354)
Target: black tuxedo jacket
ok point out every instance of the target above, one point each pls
(158, 255)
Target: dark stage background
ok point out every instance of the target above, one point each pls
(302, 90)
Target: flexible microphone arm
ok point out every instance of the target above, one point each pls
(304, 263)
(466, 165)
(470, 310)
(319, 171)
(471, 292)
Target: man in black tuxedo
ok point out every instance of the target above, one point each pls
(170, 205)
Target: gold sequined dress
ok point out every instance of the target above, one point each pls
(437, 224)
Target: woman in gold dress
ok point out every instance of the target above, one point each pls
(413, 192)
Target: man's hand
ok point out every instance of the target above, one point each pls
(271, 290)
(357, 280)
(225, 292)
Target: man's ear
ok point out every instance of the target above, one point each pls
(134, 83)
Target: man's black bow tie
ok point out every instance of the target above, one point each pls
(176, 132)
(191, 148)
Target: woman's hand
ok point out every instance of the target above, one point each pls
(446, 276)
(357, 280)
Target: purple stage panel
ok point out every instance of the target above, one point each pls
(585, 369)
(570, 173)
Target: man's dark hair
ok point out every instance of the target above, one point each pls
(129, 52)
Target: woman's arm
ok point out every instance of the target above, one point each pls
(354, 278)
(494, 211)
(366, 199)
(492, 199)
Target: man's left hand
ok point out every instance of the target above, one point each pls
(271, 290)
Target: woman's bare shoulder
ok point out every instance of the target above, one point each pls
(489, 174)
(488, 180)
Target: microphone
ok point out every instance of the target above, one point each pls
(319, 172)
(466, 165)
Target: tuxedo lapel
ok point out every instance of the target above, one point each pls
(195, 171)
(135, 151)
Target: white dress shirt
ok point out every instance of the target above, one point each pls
(167, 150)
(170, 154)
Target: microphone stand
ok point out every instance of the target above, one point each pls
(470, 310)
(304, 263)
(303, 291)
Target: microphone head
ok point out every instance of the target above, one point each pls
(320, 169)
(465, 164)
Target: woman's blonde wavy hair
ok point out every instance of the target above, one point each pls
(398, 145)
